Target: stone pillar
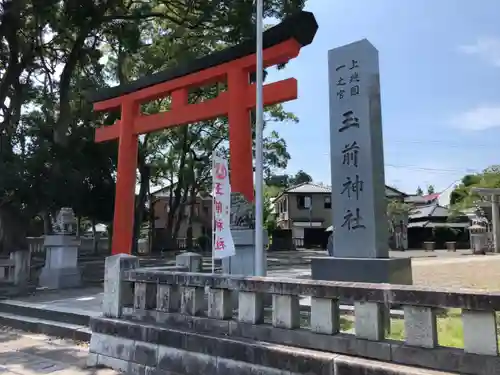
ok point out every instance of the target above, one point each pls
(361, 250)
(495, 214)
(21, 260)
(61, 263)
(117, 294)
(243, 262)
(192, 261)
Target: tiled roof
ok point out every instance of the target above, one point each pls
(430, 210)
(308, 188)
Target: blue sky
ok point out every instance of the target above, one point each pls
(440, 85)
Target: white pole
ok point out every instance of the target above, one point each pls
(259, 123)
(213, 213)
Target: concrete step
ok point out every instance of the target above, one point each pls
(9, 290)
(19, 308)
(46, 327)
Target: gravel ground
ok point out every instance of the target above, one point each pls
(475, 272)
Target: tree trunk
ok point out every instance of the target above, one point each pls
(78, 226)
(47, 223)
(192, 196)
(176, 195)
(144, 171)
(95, 240)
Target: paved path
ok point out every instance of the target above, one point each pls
(29, 354)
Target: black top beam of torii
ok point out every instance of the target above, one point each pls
(301, 26)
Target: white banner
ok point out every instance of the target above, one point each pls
(222, 240)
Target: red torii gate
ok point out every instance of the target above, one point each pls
(281, 44)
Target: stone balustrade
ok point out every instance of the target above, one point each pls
(205, 304)
(86, 245)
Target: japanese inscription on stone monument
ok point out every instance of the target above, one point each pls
(358, 187)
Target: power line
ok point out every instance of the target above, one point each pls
(415, 167)
(440, 142)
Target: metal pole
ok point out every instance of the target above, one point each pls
(259, 123)
(213, 212)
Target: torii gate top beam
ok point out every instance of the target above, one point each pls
(300, 27)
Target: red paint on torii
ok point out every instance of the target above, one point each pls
(235, 103)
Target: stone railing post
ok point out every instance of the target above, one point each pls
(220, 304)
(480, 332)
(325, 315)
(168, 298)
(192, 300)
(369, 320)
(420, 326)
(117, 293)
(145, 296)
(286, 311)
(22, 260)
(250, 307)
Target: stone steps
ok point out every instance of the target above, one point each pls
(60, 323)
(45, 326)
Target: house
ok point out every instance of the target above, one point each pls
(306, 210)
(422, 200)
(431, 222)
(201, 221)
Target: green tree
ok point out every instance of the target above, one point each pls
(419, 191)
(462, 196)
(52, 52)
(431, 189)
(299, 178)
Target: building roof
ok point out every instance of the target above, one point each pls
(165, 192)
(430, 224)
(422, 199)
(311, 188)
(431, 197)
(308, 188)
(432, 210)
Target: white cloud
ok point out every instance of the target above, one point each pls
(479, 118)
(487, 48)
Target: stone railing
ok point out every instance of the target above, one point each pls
(16, 270)
(235, 308)
(87, 245)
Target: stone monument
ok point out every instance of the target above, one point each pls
(360, 248)
(478, 232)
(243, 231)
(61, 259)
(492, 195)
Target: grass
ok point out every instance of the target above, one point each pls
(449, 327)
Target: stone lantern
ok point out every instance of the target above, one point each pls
(61, 253)
(478, 233)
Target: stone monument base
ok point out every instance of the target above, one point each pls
(362, 270)
(243, 262)
(61, 263)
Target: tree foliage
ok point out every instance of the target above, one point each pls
(462, 196)
(52, 52)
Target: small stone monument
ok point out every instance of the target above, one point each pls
(360, 249)
(479, 232)
(61, 259)
(243, 232)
